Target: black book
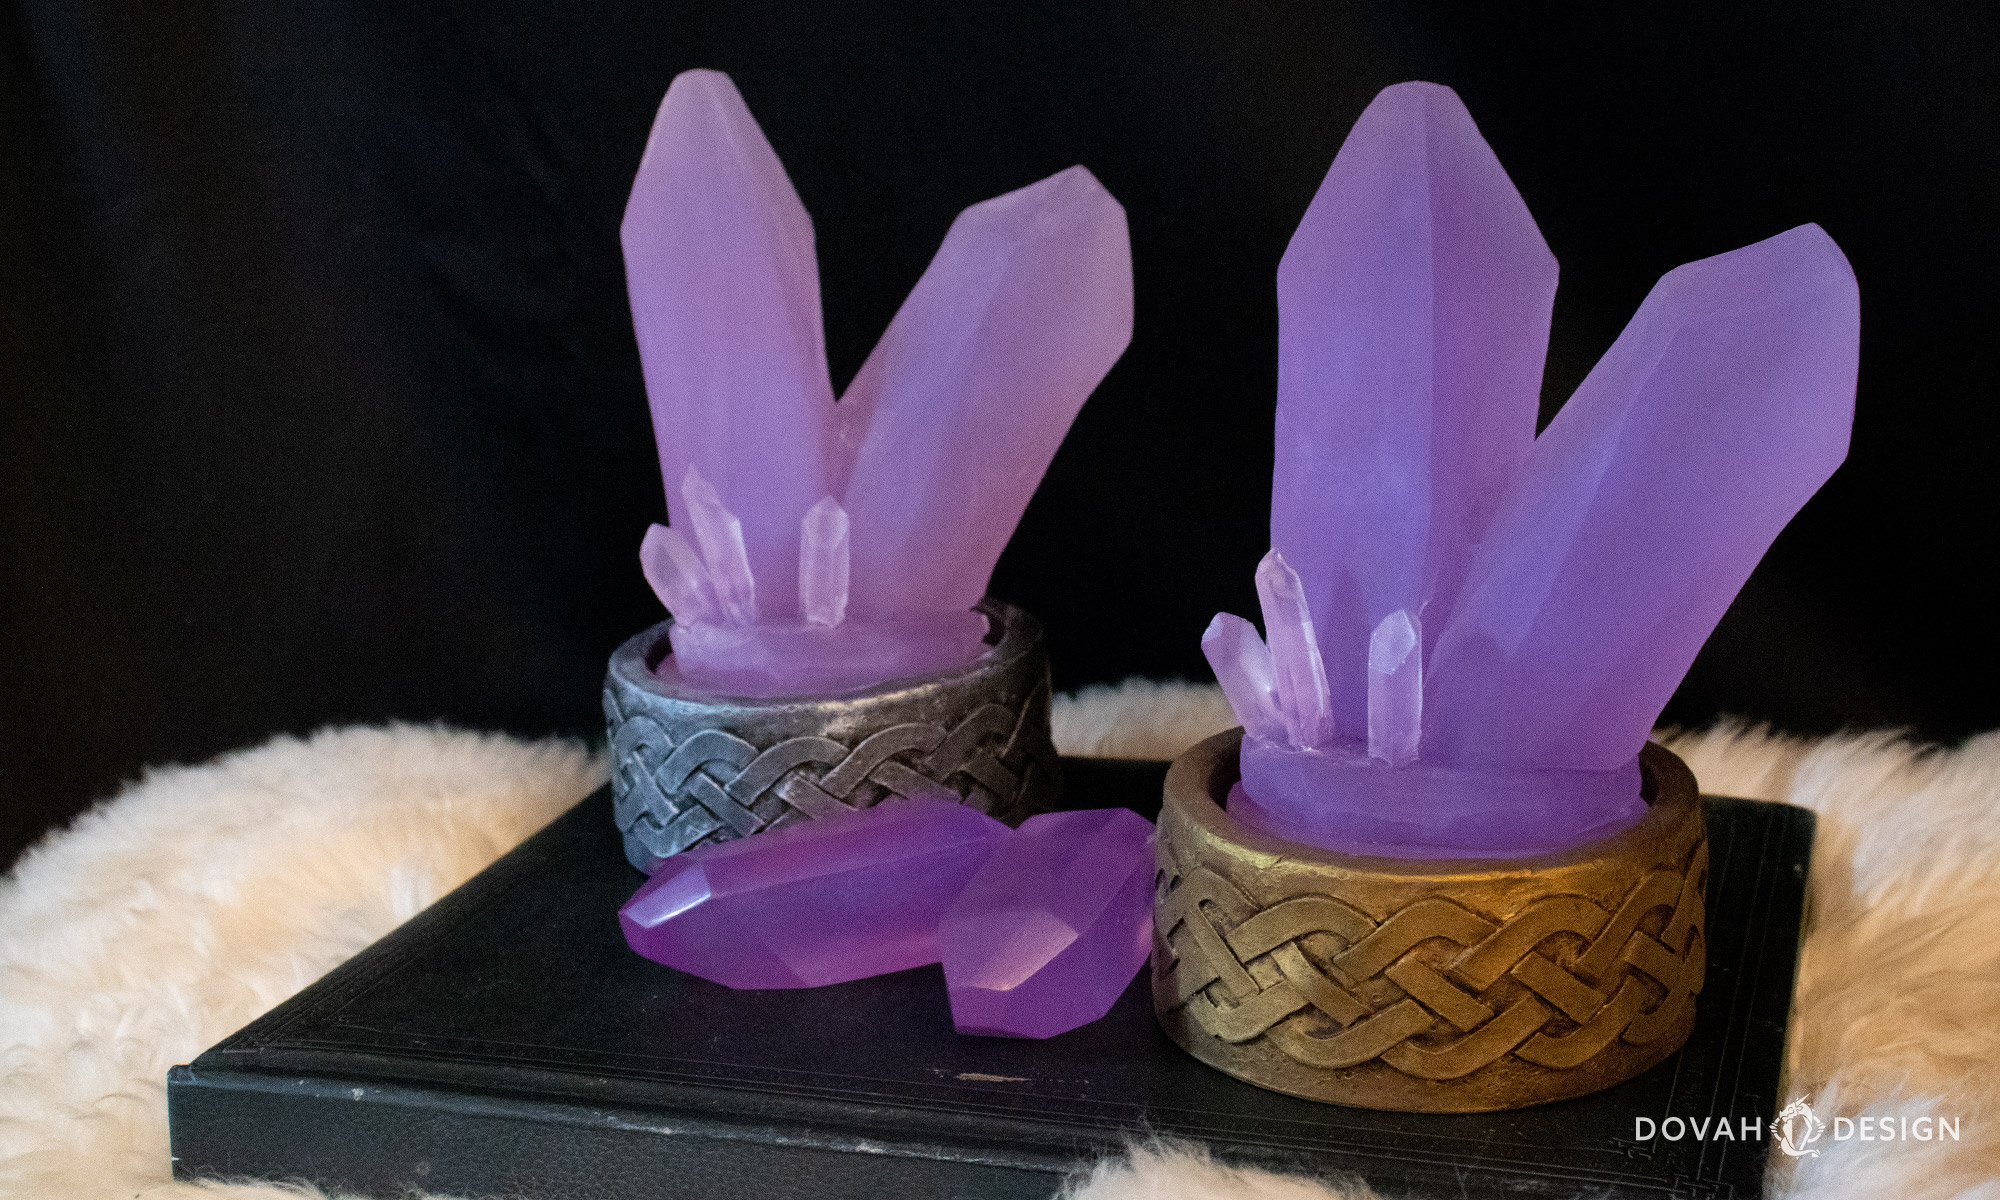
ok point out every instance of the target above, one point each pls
(506, 1042)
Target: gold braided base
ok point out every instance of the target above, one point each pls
(1426, 985)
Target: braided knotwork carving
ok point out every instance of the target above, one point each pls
(713, 785)
(1435, 990)
(1431, 986)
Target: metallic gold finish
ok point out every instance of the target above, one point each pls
(1426, 985)
(689, 768)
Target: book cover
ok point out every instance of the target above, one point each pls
(506, 1042)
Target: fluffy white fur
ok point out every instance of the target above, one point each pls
(201, 896)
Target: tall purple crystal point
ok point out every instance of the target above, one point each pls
(1413, 317)
(842, 897)
(957, 412)
(1051, 930)
(1395, 689)
(1643, 507)
(723, 552)
(674, 568)
(719, 262)
(1242, 665)
(823, 563)
(1295, 657)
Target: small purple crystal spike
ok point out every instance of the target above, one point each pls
(837, 898)
(1725, 403)
(1242, 665)
(1051, 930)
(1395, 689)
(722, 550)
(823, 563)
(720, 266)
(674, 568)
(1295, 658)
(957, 412)
(1413, 317)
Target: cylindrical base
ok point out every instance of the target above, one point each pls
(689, 768)
(1427, 986)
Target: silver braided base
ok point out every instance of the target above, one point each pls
(688, 769)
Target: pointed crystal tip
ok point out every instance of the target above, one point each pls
(1303, 699)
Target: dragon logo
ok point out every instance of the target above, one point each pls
(1796, 1129)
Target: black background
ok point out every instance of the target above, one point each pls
(321, 402)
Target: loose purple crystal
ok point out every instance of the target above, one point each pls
(720, 266)
(954, 417)
(837, 898)
(1051, 930)
(1718, 412)
(1413, 317)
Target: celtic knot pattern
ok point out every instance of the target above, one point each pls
(1433, 990)
(714, 785)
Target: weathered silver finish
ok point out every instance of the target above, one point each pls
(689, 768)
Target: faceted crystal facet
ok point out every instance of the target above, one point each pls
(1413, 317)
(957, 412)
(1643, 507)
(722, 550)
(814, 902)
(1295, 658)
(720, 266)
(674, 568)
(1242, 665)
(1053, 927)
(823, 563)
(1395, 689)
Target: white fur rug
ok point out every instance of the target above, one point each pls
(201, 896)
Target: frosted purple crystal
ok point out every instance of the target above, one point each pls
(1413, 317)
(1051, 930)
(1718, 412)
(722, 550)
(674, 569)
(1295, 658)
(930, 458)
(1242, 665)
(1395, 689)
(1509, 616)
(814, 902)
(720, 267)
(823, 563)
(964, 400)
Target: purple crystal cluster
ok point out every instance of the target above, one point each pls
(1039, 929)
(1468, 629)
(835, 546)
